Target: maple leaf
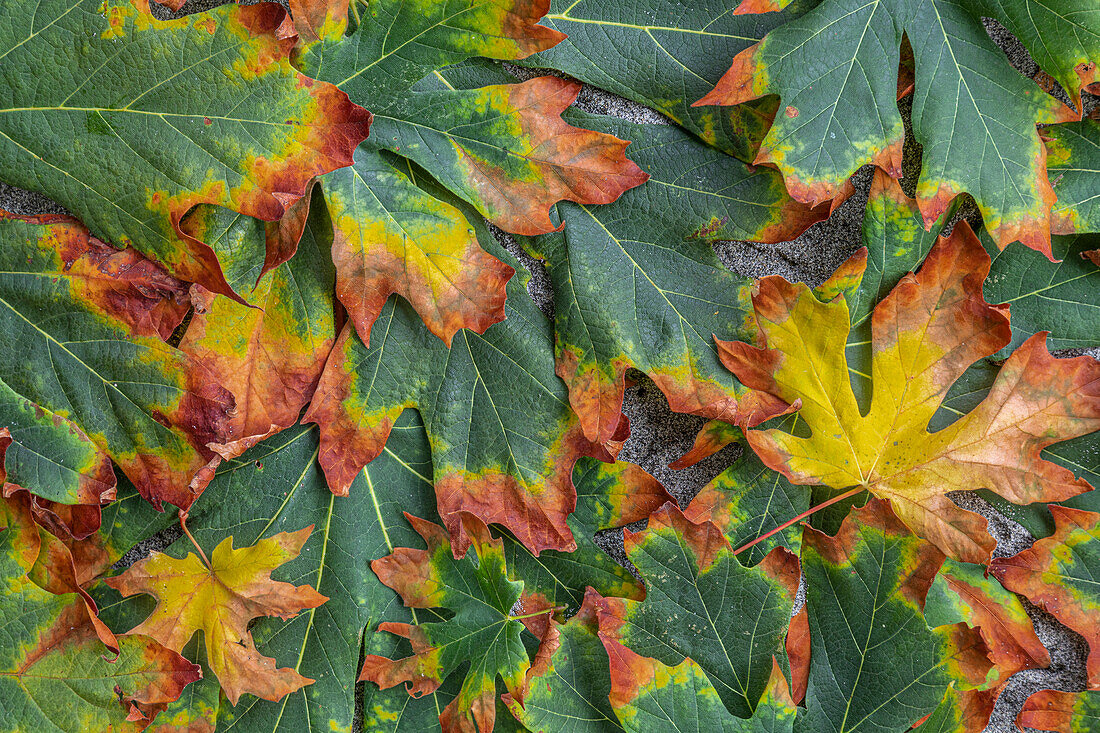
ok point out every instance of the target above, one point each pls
(502, 147)
(504, 440)
(391, 236)
(925, 334)
(275, 486)
(963, 592)
(968, 97)
(647, 694)
(1073, 159)
(1061, 712)
(664, 55)
(482, 631)
(637, 284)
(99, 382)
(55, 672)
(225, 120)
(505, 149)
(270, 356)
(702, 604)
(1056, 574)
(609, 496)
(219, 598)
(872, 579)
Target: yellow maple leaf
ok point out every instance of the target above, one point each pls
(925, 334)
(219, 598)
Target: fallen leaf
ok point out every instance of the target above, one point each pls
(702, 604)
(482, 631)
(925, 334)
(1056, 574)
(271, 356)
(99, 382)
(220, 599)
(637, 283)
(869, 584)
(271, 129)
(968, 98)
(504, 440)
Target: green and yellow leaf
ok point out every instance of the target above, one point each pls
(218, 117)
(102, 371)
(220, 598)
(925, 334)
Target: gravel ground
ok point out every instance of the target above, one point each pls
(658, 436)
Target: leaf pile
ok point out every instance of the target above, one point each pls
(282, 307)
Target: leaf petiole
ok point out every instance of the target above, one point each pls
(841, 497)
(552, 609)
(183, 526)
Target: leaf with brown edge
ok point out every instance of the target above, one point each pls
(1057, 574)
(702, 604)
(224, 120)
(609, 496)
(637, 283)
(1061, 712)
(505, 149)
(55, 674)
(482, 631)
(962, 592)
(798, 654)
(967, 98)
(567, 685)
(391, 236)
(270, 356)
(59, 565)
(874, 662)
(220, 599)
(504, 440)
(1073, 159)
(925, 334)
(103, 370)
(647, 695)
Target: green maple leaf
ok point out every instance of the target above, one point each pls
(702, 604)
(637, 284)
(482, 631)
(220, 118)
(874, 662)
(567, 686)
(973, 113)
(665, 55)
(503, 438)
(100, 382)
